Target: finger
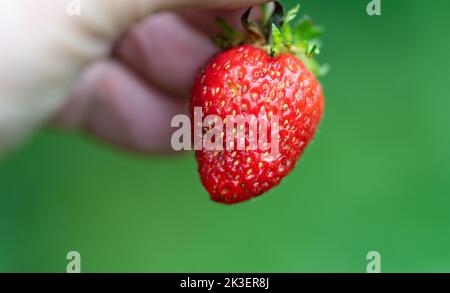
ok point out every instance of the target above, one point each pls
(206, 4)
(115, 105)
(166, 51)
(206, 20)
(111, 18)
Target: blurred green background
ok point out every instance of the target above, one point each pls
(376, 177)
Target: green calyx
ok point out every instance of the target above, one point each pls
(277, 32)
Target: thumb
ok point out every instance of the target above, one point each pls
(49, 47)
(118, 15)
(102, 22)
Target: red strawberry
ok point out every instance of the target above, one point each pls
(264, 81)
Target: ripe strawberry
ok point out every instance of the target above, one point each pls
(261, 78)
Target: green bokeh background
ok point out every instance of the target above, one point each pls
(376, 177)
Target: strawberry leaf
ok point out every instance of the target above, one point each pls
(286, 28)
(306, 30)
(313, 48)
(291, 15)
(277, 41)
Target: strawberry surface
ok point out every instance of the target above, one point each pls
(246, 80)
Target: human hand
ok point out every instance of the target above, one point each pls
(96, 72)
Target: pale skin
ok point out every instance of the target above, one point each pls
(119, 71)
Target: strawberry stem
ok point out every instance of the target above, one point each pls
(277, 33)
(276, 41)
